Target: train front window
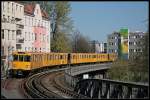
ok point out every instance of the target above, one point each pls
(15, 57)
(27, 58)
(20, 57)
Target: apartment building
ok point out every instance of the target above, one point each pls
(135, 44)
(113, 42)
(36, 29)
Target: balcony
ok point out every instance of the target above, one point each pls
(19, 26)
(19, 32)
(19, 39)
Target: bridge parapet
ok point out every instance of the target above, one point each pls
(72, 72)
(105, 88)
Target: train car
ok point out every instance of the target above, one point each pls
(112, 57)
(102, 57)
(24, 62)
(21, 63)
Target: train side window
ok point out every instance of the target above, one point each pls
(27, 58)
(73, 56)
(50, 57)
(39, 58)
(47, 56)
(61, 56)
(65, 57)
(35, 58)
(15, 57)
(20, 57)
(55, 57)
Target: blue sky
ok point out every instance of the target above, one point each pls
(98, 19)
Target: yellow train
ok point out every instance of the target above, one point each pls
(24, 62)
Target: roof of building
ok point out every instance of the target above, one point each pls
(29, 9)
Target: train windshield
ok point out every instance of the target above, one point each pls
(27, 58)
(15, 57)
(23, 58)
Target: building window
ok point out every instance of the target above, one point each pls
(12, 8)
(8, 34)
(35, 37)
(32, 22)
(2, 53)
(134, 37)
(16, 7)
(32, 37)
(134, 43)
(2, 34)
(29, 36)
(18, 46)
(43, 37)
(8, 7)
(47, 39)
(25, 36)
(2, 6)
(8, 19)
(13, 33)
(20, 9)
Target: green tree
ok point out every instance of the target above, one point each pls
(61, 23)
(61, 43)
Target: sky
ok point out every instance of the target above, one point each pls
(98, 19)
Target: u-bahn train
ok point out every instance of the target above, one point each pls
(24, 62)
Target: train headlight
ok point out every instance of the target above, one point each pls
(14, 65)
(27, 66)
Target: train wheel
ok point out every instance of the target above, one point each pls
(19, 73)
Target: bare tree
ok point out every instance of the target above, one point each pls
(80, 43)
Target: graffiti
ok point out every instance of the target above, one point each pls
(124, 43)
(40, 33)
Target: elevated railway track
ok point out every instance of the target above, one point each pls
(48, 85)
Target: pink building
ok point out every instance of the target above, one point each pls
(36, 29)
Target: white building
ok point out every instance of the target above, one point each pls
(98, 47)
(12, 23)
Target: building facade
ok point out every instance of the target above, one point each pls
(113, 42)
(135, 44)
(98, 47)
(36, 29)
(24, 28)
(12, 23)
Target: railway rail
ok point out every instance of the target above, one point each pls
(48, 85)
